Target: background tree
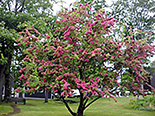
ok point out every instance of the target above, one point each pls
(137, 14)
(84, 57)
(151, 70)
(12, 14)
(98, 4)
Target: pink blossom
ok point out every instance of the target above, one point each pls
(37, 32)
(90, 31)
(71, 58)
(134, 68)
(97, 79)
(81, 4)
(112, 56)
(99, 15)
(43, 61)
(40, 68)
(92, 42)
(141, 77)
(65, 37)
(114, 98)
(105, 74)
(60, 69)
(137, 79)
(94, 23)
(67, 51)
(70, 42)
(20, 32)
(28, 85)
(72, 27)
(86, 60)
(57, 21)
(44, 80)
(128, 37)
(57, 30)
(65, 27)
(86, 33)
(77, 11)
(63, 20)
(47, 36)
(62, 93)
(67, 33)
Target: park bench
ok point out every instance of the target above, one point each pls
(10, 99)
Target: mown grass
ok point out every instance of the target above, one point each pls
(5, 108)
(102, 107)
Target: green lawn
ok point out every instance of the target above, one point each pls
(102, 107)
(5, 108)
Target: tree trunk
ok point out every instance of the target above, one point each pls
(7, 77)
(1, 86)
(7, 86)
(80, 112)
(46, 96)
(2, 76)
(81, 107)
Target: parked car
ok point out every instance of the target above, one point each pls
(75, 93)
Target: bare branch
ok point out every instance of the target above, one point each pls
(69, 109)
(22, 8)
(16, 4)
(92, 102)
(8, 3)
(86, 100)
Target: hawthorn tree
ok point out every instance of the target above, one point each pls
(82, 56)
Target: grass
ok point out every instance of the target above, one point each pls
(102, 107)
(5, 108)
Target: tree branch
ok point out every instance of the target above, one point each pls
(69, 109)
(8, 3)
(16, 4)
(86, 100)
(92, 102)
(21, 10)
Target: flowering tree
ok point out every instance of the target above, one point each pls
(82, 56)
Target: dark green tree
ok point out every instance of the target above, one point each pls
(15, 15)
(151, 68)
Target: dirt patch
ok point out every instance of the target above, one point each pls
(16, 110)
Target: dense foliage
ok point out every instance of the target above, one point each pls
(16, 15)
